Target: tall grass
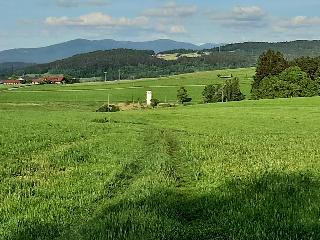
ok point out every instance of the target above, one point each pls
(246, 170)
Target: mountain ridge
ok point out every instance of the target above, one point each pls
(78, 46)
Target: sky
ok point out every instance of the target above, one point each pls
(36, 23)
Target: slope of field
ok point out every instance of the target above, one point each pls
(95, 94)
(244, 170)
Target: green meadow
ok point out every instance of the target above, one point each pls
(237, 170)
(95, 94)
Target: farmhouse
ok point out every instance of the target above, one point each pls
(53, 79)
(11, 82)
(37, 81)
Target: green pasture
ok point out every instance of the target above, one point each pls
(169, 57)
(237, 170)
(164, 89)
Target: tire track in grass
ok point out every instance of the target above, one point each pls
(156, 163)
(127, 208)
(165, 148)
(159, 152)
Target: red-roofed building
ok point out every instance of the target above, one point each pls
(37, 81)
(11, 82)
(54, 79)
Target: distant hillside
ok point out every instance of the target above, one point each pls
(291, 50)
(210, 45)
(143, 63)
(137, 64)
(10, 68)
(68, 49)
(71, 48)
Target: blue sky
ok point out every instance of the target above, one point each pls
(35, 23)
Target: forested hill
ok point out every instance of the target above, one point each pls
(67, 49)
(143, 63)
(137, 64)
(291, 50)
(96, 63)
(10, 68)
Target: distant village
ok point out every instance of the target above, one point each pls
(36, 81)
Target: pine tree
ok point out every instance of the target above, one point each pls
(182, 95)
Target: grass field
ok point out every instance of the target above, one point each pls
(169, 57)
(247, 170)
(95, 94)
(175, 56)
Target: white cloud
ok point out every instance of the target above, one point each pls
(178, 29)
(97, 19)
(297, 22)
(78, 3)
(172, 10)
(245, 16)
(252, 13)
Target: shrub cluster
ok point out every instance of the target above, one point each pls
(182, 95)
(108, 108)
(154, 102)
(230, 91)
(278, 78)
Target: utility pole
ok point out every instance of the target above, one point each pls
(105, 76)
(108, 102)
(222, 95)
(119, 74)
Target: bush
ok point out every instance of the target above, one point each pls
(154, 102)
(71, 80)
(209, 93)
(182, 96)
(230, 91)
(110, 108)
(166, 105)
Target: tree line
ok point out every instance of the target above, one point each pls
(133, 64)
(13, 68)
(277, 77)
(140, 64)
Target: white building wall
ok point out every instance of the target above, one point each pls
(149, 97)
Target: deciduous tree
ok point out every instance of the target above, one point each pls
(182, 95)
